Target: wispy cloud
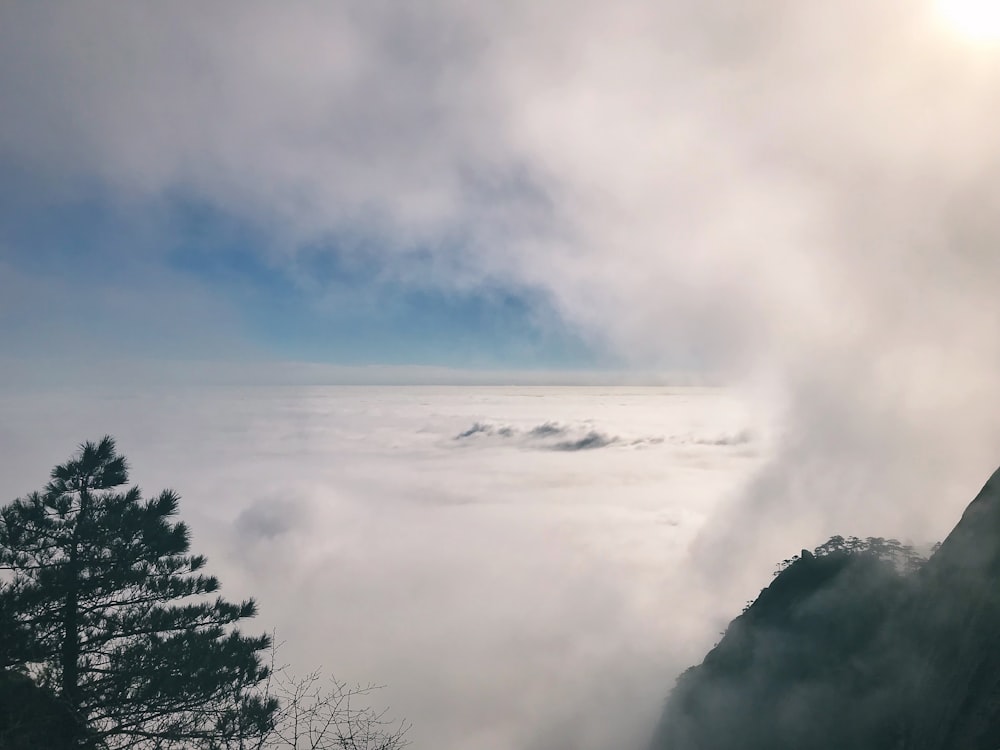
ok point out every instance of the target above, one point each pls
(551, 436)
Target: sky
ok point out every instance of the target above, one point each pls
(793, 197)
(681, 187)
(796, 199)
(572, 186)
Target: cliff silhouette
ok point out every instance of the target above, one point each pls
(858, 645)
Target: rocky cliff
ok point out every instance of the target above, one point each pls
(850, 648)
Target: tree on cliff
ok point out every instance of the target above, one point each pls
(103, 605)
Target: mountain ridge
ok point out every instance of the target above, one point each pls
(857, 646)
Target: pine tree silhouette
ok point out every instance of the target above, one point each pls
(102, 605)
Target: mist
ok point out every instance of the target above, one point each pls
(798, 201)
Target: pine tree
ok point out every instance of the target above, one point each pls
(103, 605)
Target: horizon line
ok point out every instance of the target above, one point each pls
(40, 372)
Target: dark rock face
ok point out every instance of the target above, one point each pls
(786, 674)
(844, 651)
(955, 625)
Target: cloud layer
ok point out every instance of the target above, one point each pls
(508, 598)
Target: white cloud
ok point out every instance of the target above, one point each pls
(508, 598)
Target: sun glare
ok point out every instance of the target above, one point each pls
(977, 20)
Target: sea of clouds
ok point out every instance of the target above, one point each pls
(512, 563)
